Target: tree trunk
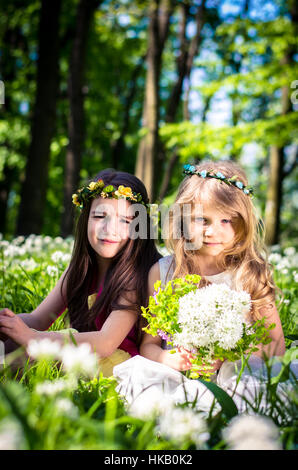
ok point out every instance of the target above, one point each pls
(159, 19)
(188, 52)
(175, 97)
(76, 120)
(276, 162)
(118, 146)
(10, 176)
(275, 181)
(33, 194)
(273, 201)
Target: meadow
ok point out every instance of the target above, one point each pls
(68, 404)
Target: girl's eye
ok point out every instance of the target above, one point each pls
(99, 216)
(125, 221)
(226, 221)
(200, 219)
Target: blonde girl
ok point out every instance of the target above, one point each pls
(221, 241)
(224, 221)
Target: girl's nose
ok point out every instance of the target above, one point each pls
(209, 230)
(110, 226)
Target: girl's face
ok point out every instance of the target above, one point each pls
(108, 225)
(215, 230)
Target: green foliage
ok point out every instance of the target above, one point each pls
(162, 311)
(251, 70)
(196, 140)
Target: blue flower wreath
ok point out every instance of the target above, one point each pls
(192, 170)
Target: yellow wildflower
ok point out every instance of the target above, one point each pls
(123, 192)
(75, 199)
(93, 185)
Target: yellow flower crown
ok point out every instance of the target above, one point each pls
(98, 188)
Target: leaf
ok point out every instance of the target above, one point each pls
(292, 337)
(226, 402)
(17, 399)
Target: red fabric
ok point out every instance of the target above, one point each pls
(129, 343)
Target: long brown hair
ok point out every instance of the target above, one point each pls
(247, 259)
(128, 271)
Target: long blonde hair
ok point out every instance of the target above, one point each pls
(247, 259)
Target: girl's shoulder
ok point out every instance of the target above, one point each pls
(161, 270)
(166, 268)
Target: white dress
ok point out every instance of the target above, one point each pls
(147, 384)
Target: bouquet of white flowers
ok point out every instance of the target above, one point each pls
(212, 322)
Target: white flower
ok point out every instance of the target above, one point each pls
(67, 408)
(4, 244)
(18, 240)
(11, 435)
(52, 387)
(66, 258)
(294, 261)
(284, 263)
(52, 271)
(38, 241)
(274, 258)
(246, 432)
(180, 424)
(44, 349)
(28, 264)
(156, 403)
(290, 251)
(12, 251)
(57, 256)
(79, 359)
(212, 314)
(76, 359)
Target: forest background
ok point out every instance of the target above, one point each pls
(145, 86)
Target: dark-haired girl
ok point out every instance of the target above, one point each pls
(106, 281)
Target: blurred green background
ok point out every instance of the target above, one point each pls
(145, 86)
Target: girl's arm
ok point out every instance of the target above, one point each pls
(151, 349)
(151, 345)
(103, 342)
(40, 318)
(47, 312)
(277, 346)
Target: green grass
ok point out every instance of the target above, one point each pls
(84, 413)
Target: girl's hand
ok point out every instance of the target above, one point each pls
(180, 360)
(213, 367)
(14, 328)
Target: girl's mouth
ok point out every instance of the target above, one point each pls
(211, 244)
(109, 241)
